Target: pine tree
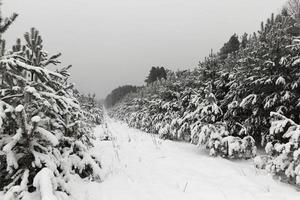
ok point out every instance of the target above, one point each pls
(155, 74)
(230, 47)
(283, 149)
(265, 77)
(244, 40)
(40, 124)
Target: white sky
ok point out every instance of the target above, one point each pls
(115, 42)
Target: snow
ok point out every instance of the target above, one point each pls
(36, 119)
(10, 195)
(19, 108)
(280, 80)
(27, 67)
(65, 99)
(47, 135)
(259, 162)
(140, 166)
(30, 89)
(10, 155)
(252, 98)
(43, 182)
(296, 62)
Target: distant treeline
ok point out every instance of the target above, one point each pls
(117, 94)
(155, 74)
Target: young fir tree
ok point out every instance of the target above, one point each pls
(40, 124)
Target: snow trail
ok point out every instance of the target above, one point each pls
(139, 166)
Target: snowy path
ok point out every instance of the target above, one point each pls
(138, 166)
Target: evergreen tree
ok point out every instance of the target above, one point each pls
(155, 74)
(244, 40)
(230, 47)
(283, 156)
(264, 79)
(41, 124)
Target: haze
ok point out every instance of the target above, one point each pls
(115, 42)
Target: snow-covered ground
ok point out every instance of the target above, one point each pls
(139, 166)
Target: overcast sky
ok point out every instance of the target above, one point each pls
(115, 42)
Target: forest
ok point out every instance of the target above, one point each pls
(238, 101)
(228, 128)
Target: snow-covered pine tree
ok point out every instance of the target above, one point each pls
(41, 125)
(92, 115)
(283, 149)
(265, 79)
(211, 132)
